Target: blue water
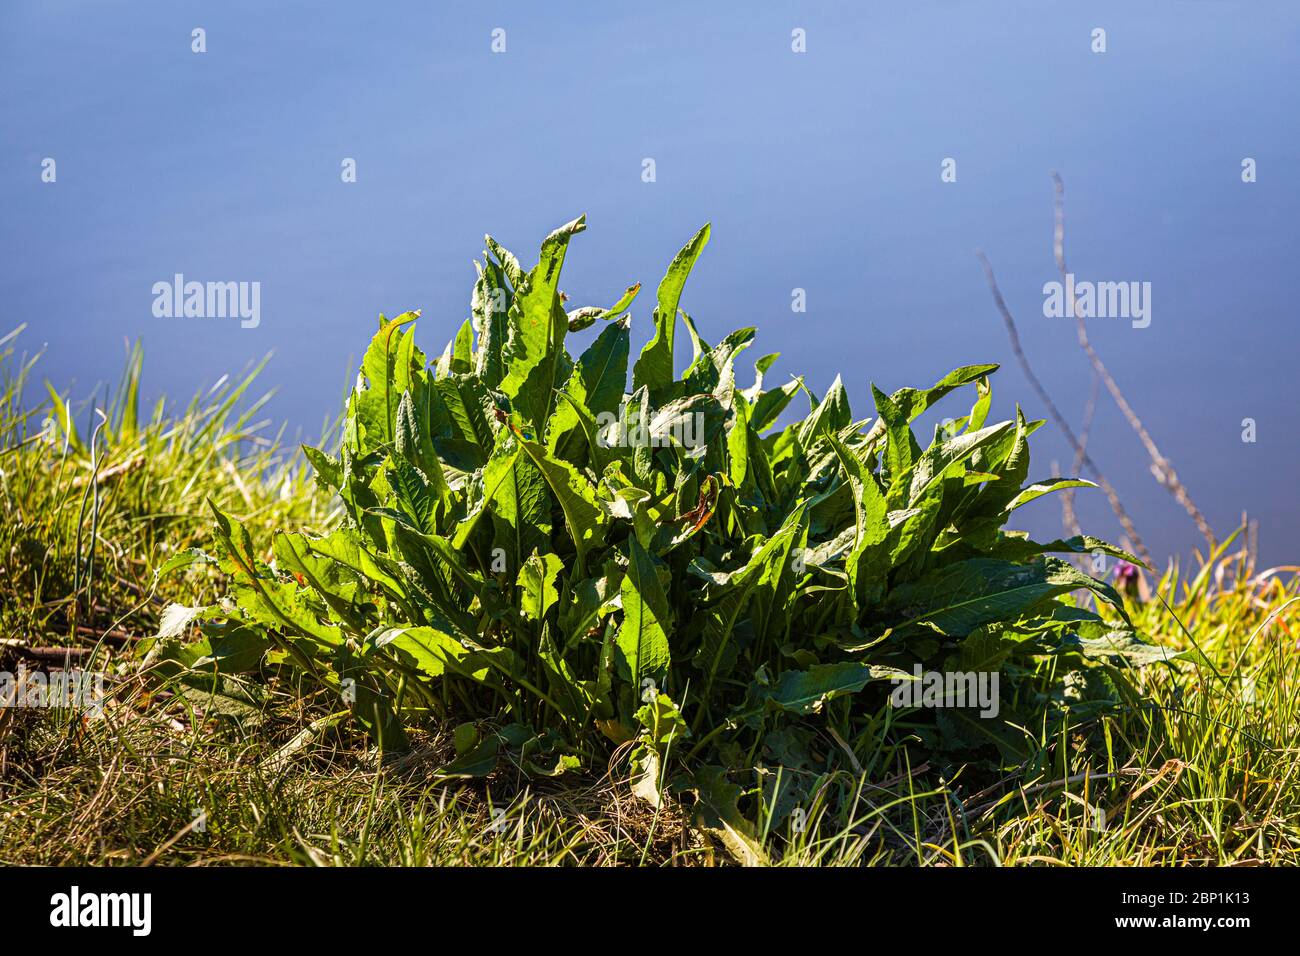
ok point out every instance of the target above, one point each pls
(818, 170)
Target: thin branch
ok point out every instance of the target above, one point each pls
(1069, 520)
(1161, 467)
(1085, 430)
(1057, 417)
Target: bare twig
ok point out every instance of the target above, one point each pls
(48, 655)
(114, 637)
(1057, 417)
(1161, 467)
(1068, 518)
(1085, 429)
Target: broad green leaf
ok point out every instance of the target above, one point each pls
(428, 649)
(912, 402)
(771, 404)
(507, 263)
(580, 319)
(585, 518)
(715, 370)
(416, 495)
(489, 304)
(868, 561)
(387, 369)
(761, 368)
(537, 326)
(831, 415)
(937, 461)
(738, 440)
(1040, 488)
(515, 494)
(538, 593)
(1018, 547)
(806, 691)
(348, 549)
(717, 813)
(900, 446)
(643, 636)
(956, 599)
(468, 405)
(462, 349)
(225, 649)
(329, 470)
(596, 385)
(684, 422)
(334, 582)
(1123, 646)
(655, 366)
(761, 578)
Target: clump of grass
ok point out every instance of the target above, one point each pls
(88, 512)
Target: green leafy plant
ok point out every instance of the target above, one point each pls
(564, 567)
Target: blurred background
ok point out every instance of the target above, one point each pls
(819, 170)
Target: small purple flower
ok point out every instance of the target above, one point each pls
(1126, 573)
(1127, 578)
